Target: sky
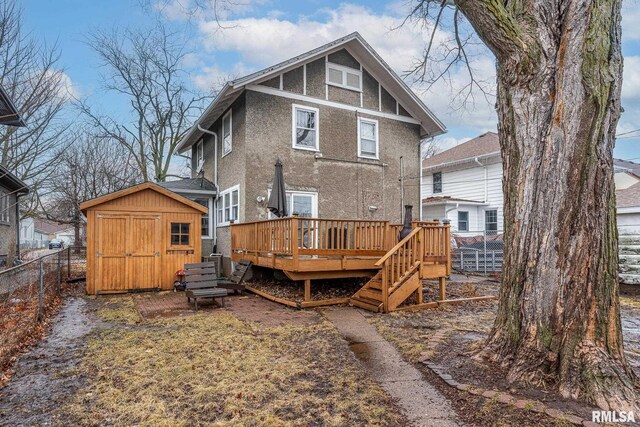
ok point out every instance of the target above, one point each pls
(248, 35)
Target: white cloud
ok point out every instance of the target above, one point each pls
(260, 42)
(630, 18)
(67, 90)
(631, 78)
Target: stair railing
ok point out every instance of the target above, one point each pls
(400, 261)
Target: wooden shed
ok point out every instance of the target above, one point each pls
(137, 238)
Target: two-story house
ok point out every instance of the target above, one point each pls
(11, 188)
(341, 121)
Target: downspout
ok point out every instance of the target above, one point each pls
(486, 179)
(446, 212)
(215, 178)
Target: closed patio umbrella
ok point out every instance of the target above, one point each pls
(278, 199)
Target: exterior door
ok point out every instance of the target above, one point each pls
(111, 256)
(144, 252)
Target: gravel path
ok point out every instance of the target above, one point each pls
(422, 403)
(44, 377)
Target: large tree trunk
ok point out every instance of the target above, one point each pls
(559, 78)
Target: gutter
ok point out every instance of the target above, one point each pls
(461, 161)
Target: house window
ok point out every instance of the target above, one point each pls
(227, 206)
(437, 182)
(463, 221)
(199, 155)
(303, 204)
(367, 138)
(205, 217)
(4, 207)
(344, 77)
(180, 233)
(305, 128)
(227, 143)
(491, 221)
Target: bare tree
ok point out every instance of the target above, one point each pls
(90, 168)
(559, 72)
(144, 67)
(32, 78)
(429, 147)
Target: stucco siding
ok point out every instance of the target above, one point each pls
(370, 93)
(316, 78)
(293, 80)
(342, 57)
(8, 230)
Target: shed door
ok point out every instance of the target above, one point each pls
(144, 252)
(112, 252)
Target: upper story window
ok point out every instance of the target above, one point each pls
(227, 206)
(305, 128)
(345, 77)
(367, 138)
(199, 155)
(437, 182)
(4, 207)
(463, 221)
(227, 134)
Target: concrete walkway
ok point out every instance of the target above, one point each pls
(422, 403)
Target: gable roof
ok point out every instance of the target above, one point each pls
(12, 182)
(628, 197)
(140, 187)
(485, 145)
(359, 49)
(8, 113)
(48, 227)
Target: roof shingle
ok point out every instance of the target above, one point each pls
(487, 143)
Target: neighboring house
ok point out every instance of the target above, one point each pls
(464, 185)
(11, 188)
(338, 117)
(628, 207)
(68, 236)
(37, 233)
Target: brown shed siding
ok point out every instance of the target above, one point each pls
(128, 241)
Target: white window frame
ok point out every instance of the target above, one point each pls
(294, 127)
(229, 113)
(466, 221)
(211, 212)
(344, 70)
(360, 154)
(291, 194)
(5, 217)
(199, 155)
(486, 229)
(220, 206)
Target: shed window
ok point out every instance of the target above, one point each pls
(227, 137)
(437, 182)
(305, 128)
(180, 233)
(4, 207)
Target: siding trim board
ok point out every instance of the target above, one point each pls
(298, 97)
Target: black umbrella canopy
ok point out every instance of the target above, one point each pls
(278, 199)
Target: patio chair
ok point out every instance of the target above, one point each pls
(201, 279)
(236, 279)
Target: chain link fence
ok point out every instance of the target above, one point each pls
(477, 251)
(30, 292)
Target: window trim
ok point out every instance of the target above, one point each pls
(360, 154)
(230, 114)
(190, 235)
(199, 154)
(294, 127)
(5, 209)
(314, 201)
(211, 204)
(486, 229)
(433, 183)
(465, 221)
(220, 205)
(344, 71)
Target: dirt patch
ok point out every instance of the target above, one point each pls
(320, 289)
(465, 328)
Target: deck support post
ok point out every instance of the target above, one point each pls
(420, 293)
(443, 288)
(307, 290)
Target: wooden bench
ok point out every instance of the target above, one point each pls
(237, 277)
(201, 279)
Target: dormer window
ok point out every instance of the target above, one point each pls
(344, 77)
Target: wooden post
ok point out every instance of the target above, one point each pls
(421, 242)
(443, 288)
(294, 241)
(307, 290)
(385, 290)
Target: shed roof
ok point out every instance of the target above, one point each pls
(137, 188)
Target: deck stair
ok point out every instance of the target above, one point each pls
(398, 278)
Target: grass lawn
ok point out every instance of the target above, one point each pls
(216, 369)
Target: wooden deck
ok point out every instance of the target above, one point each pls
(306, 249)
